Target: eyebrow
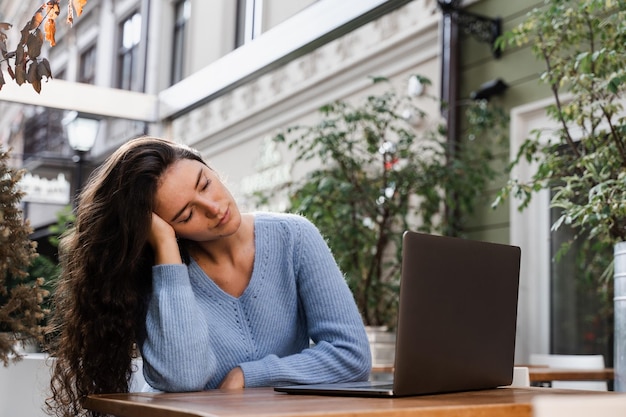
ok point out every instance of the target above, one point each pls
(177, 215)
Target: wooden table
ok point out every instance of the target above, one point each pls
(545, 374)
(264, 402)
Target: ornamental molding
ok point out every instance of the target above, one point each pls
(397, 42)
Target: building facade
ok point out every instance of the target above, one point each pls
(224, 76)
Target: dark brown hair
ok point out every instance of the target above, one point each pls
(100, 300)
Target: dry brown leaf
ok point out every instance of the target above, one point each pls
(53, 9)
(24, 33)
(28, 67)
(33, 77)
(36, 19)
(20, 56)
(78, 6)
(50, 30)
(43, 68)
(37, 86)
(34, 43)
(20, 74)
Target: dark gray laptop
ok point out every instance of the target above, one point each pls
(456, 322)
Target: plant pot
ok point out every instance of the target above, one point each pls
(30, 345)
(619, 275)
(23, 345)
(383, 346)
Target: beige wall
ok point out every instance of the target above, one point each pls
(211, 32)
(230, 130)
(277, 11)
(212, 27)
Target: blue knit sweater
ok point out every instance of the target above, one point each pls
(196, 333)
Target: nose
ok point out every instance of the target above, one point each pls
(210, 207)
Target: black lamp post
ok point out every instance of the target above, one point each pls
(81, 134)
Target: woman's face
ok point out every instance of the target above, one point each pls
(193, 200)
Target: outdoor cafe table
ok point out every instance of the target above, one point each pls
(539, 374)
(265, 402)
(545, 374)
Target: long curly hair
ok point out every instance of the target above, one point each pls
(100, 301)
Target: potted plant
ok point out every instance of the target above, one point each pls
(378, 175)
(583, 161)
(21, 296)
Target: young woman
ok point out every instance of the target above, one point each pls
(161, 258)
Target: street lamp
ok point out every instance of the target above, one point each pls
(81, 134)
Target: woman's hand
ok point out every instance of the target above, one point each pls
(233, 380)
(162, 238)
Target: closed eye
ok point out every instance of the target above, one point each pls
(204, 187)
(186, 220)
(206, 184)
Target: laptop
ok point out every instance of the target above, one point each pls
(456, 320)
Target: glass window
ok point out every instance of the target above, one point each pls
(128, 56)
(43, 132)
(182, 12)
(249, 20)
(87, 66)
(581, 297)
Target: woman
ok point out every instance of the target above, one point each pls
(160, 257)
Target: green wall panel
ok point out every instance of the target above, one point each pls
(520, 70)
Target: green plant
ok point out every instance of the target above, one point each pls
(378, 176)
(583, 161)
(21, 296)
(65, 220)
(50, 268)
(582, 44)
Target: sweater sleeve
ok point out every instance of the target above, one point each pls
(176, 334)
(341, 350)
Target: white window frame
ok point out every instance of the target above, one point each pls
(530, 229)
(253, 25)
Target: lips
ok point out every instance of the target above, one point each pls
(224, 218)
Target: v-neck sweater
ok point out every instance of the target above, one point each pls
(296, 322)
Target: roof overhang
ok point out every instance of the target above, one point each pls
(84, 98)
(314, 26)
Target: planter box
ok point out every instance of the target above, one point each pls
(382, 345)
(25, 385)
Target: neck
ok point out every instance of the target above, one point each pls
(225, 249)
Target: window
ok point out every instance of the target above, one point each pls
(249, 20)
(44, 133)
(87, 66)
(128, 56)
(581, 305)
(557, 311)
(182, 12)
